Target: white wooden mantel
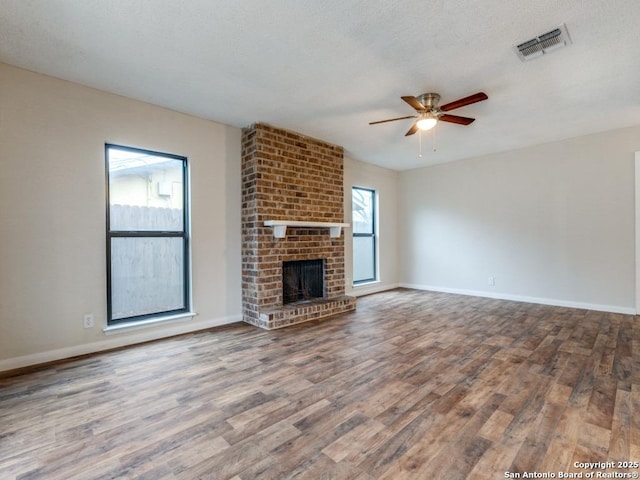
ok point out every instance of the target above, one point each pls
(280, 227)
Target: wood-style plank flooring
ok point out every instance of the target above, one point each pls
(413, 385)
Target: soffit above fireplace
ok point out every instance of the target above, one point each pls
(280, 227)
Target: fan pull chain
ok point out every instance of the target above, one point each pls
(433, 139)
(419, 143)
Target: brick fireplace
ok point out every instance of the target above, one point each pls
(292, 179)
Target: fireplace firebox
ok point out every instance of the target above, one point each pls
(302, 280)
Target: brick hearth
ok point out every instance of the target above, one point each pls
(287, 176)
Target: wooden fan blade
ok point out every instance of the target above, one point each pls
(413, 101)
(456, 119)
(392, 120)
(412, 130)
(476, 97)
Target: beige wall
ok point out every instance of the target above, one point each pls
(384, 182)
(52, 213)
(552, 223)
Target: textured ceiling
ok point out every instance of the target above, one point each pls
(327, 68)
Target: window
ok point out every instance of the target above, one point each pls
(364, 235)
(147, 235)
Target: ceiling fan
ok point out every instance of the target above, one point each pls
(429, 113)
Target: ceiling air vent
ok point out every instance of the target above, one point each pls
(545, 43)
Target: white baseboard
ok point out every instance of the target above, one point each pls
(115, 341)
(522, 298)
(362, 290)
(193, 326)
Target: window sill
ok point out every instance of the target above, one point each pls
(366, 284)
(151, 322)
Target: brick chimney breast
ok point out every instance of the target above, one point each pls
(288, 176)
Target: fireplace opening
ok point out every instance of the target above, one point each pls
(302, 280)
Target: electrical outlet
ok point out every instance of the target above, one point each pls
(492, 281)
(87, 320)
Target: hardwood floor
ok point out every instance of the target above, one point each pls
(413, 385)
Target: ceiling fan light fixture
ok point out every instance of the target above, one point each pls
(427, 121)
(429, 113)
